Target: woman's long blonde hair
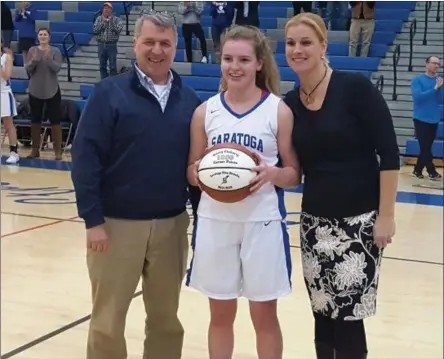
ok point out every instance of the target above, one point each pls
(268, 77)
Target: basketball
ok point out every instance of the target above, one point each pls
(225, 172)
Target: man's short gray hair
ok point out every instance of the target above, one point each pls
(163, 20)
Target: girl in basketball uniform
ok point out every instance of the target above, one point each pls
(242, 249)
(9, 108)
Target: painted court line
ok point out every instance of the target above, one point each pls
(36, 227)
(50, 335)
(42, 217)
(84, 319)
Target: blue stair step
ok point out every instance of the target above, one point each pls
(19, 86)
(341, 62)
(440, 132)
(412, 148)
(213, 70)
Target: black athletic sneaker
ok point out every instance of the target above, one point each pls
(418, 175)
(435, 176)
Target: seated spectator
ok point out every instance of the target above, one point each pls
(222, 14)
(7, 25)
(337, 17)
(362, 22)
(191, 11)
(25, 23)
(107, 27)
(44, 64)
(247, 13)
(9, 108)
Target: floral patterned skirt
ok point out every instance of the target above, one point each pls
(341, 265)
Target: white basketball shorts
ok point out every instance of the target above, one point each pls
(9, 107)
(234, 259)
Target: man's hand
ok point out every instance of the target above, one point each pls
(97, 239)
(439, 82)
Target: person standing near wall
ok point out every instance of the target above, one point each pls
(44, 64)
(428, 95)
(362, 22)
(107, 28)
(25, 24)
(222, 13)
(191, 11)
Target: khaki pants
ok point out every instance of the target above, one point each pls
(368, 28)
(157, 251)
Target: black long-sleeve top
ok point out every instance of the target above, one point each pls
(337, 147)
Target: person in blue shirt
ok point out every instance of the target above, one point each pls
(222, 13)
(25, 25)
(130, 158)
(428, 95)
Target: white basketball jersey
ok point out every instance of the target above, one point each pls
(256, 130)
(5, 84)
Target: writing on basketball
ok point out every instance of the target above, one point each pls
(243, 139)
(226, 157)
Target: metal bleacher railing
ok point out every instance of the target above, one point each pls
(412, 35)
(396, 57)
(380, 83)
(426, 24)
(66, 50)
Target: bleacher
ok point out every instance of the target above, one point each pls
(205, 77)
(77, 18)
(61, 18)
(412, 145)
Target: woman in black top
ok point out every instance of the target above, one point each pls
(341, 124)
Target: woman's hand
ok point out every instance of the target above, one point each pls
(34, 54)
(383, 231)
(265, 174)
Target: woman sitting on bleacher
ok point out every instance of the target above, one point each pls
(44, 64)
(9, 108)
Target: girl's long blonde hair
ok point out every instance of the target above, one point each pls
(268, 77)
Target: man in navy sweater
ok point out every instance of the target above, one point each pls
(428, 95)
(130, 158)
